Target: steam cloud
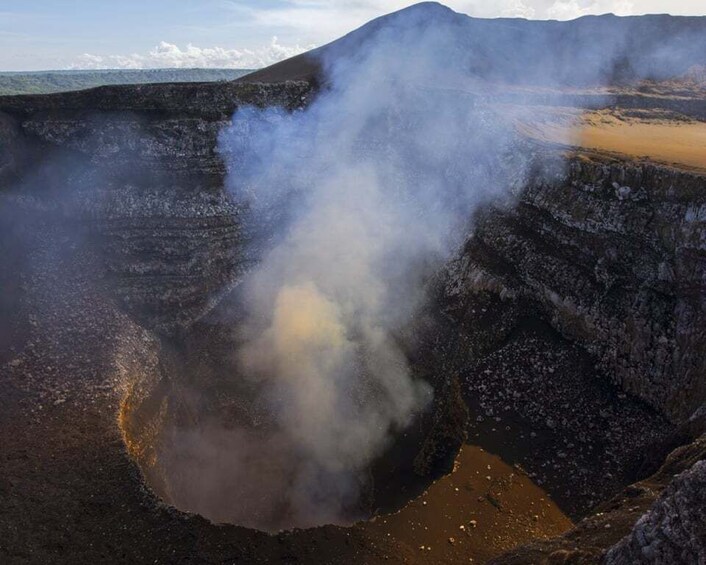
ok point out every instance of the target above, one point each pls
(380, 174)
(353, 202)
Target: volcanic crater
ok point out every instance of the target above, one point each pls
(561, 348)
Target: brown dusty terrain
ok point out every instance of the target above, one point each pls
(660, 137)
(482, 509)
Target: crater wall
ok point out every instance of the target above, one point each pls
(610, 254)
(613, 255)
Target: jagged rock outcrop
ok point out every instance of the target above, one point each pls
(674, 530)
(662, 514)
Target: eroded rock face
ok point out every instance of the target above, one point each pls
(138, 169)
(613, 256)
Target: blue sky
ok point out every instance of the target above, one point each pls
(60, 34)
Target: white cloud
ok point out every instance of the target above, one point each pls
(570, 9)
(518, 9)
(169, 55)
(548, 9)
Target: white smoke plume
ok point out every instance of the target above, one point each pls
(380, 175)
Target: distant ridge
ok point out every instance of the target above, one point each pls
(47, 82)
(507, 49)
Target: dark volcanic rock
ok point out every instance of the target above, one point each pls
(669, 515)
(613, 257)
(138, 169)
(674, 530)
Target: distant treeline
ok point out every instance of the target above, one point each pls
(59, 81)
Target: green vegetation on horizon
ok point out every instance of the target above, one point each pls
(45, 82)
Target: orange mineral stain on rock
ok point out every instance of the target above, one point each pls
(482, 509)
